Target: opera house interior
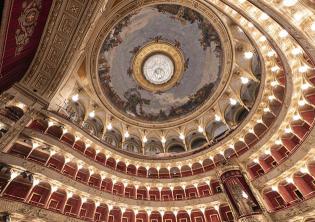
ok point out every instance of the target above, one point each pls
(157, 110)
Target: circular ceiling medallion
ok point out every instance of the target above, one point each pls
(158, 66)
(158, 69)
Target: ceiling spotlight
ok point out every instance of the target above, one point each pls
(303, 69)
(92, 114)
(217, 118)
(182, 136)
(278, 142)
(271, 53)
(304, 170)
(271, 98)
(233, 102)
(296, 117)
(144, 139)
(109, 126)
(264, 16)
(313, 26)
(275, 68)
(296, 51)
(274, 83)
(266, 110)
(274, 188)
(283, 33)
(248, 55)
(200, 129)
(267, 152)
(75, 98)
(262, 38)
(126, 134)
(288, 130)
(289, 3)
(305, 86)
(163, 140)
(244, 80)
(302, 102)
(289, 180)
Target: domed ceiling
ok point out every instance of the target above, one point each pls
(197, 60)
(172, 77)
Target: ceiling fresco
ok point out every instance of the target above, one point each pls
(186, 30)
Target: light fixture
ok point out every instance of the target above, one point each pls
(289, 3)
(275, 68)
(297, 51)
(109, 126)
(75, 98)
(303, 69)
(200, 129)
(271, 98)
(182, 136)
(288, 130)
(304, 170)
(271, 53)
(266, 110)
(163, 140)
(278, 142)
(289, 180)
(274, 188)
(248, 55)
(296, 117)
(302, 102)
(267, 152)
(233, 102)
(50, 123)
(92, 114)
(283, 33)
(313, 26)
(274, 83)
(264, 16)
(126, 134)
(217, 118)
(144, 139)
(305, 86)
(244, 80)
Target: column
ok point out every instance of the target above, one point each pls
(240, 196)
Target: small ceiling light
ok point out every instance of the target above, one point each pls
(296, 117)
(274, 83)
(262, 38)
(200, 129)
(251, 131)
(275, 68)
(75, 98)
(163, 140)
(217, 118)
(50, 123)
(244, 80)
(264, 16)
(92, 114)
(271, 98)
(248, 55)
(283, 33)
(271, 53)
(288, 130)
(256, 160)
(260, 121)
(144, 139)
(278, 142)
(302, 102)
(64, 130)
(297, 51)
(267, 152)
(289, 180)
(313, 26)
(109, 126)
(305, 86)
(233, 102)
(303, 69)
(298, 16)
(126, 134)
(304, 170)
(266, 110)
(182, 136)
(274, 188)
(289, 3)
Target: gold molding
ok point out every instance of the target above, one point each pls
(150, 49)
